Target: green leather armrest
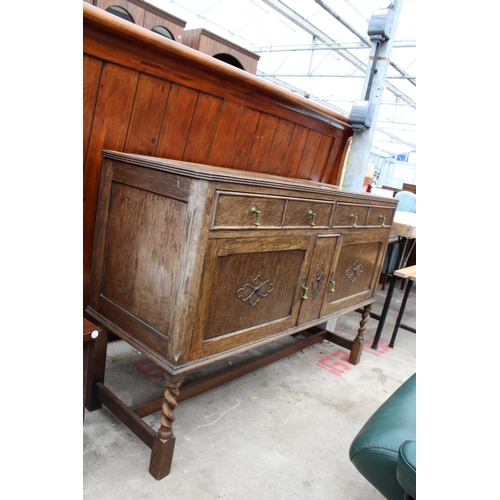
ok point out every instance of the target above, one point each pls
(406, 471)
(375, 449)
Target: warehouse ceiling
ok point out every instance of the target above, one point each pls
(320, 49)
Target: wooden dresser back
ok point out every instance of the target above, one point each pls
(145, 94)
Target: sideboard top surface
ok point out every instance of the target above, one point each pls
(226, 175)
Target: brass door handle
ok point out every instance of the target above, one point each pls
(304, 288)
(354, 219)
(331, 283)
(311, 216)
(255, 212)
(381, 218)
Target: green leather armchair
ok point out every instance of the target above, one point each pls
(384, 450)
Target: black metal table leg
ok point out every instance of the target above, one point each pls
(401, 312)
(383, 316)
(388, 266)
(401, 258)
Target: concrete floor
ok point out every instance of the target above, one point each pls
(282, 432)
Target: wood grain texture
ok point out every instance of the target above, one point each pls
(147, 115)
(146, 94)
(109, 129)
(185, 274)
(92, 69)
(176, 123)
(234, 136)
(295, 150)
(262, 143)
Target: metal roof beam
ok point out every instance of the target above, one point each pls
(314, 31)
(365, 40)
(404, 44)
(315, 75)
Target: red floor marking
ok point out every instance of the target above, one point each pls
(383, 347)
(336, 363)
(149, 368)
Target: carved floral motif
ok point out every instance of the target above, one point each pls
(253, 291)
(355, 270)
(318, 280)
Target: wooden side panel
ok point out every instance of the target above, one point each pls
(244, 138)
(92, 71)
(294, 152)
(109, 130)
(322, 155)
(309, 156)
(142, 266)
(279, 148)
(234, 136)
(332, 174)
(263, 141)
(176, 122)
(147, 115)
(203, 126)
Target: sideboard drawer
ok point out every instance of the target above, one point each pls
(305, 213)
(247, 211)
(380, 216)
(351, 215)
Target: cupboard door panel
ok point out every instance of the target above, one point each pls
(250, 290)
(355, 271)
(318, 277)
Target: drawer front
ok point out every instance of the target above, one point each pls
(241, 211)
(300, 213)
(351, 215)
(380, 216)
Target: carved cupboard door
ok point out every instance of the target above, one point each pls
(251, 289)
(355, 271)
(319, 277)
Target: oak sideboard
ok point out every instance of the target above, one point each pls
(193, 264)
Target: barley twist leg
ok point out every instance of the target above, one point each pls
(162, 451)
(357, 343)
(167, 416)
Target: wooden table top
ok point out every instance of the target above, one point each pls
(405, 224)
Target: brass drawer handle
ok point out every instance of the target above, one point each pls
(304, 288)
(331, 283)
(255, 212)
(354, 219)
(311, 216)
(381, 218)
